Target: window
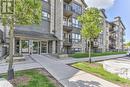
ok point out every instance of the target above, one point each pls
(76, 23)
(76, 49)
(67, 21)
(7, 6)
(43, 47)
(45, 15)
(76, 8)
(76, 38)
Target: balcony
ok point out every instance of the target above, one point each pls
(113, 38)
(67, 26)
(67, 42)
(77, 26)
(112, 46)
(67, 10)
(112, 31)
(123, 33)
(95, 45)
(67, 1)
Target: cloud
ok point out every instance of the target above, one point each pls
(100, 3)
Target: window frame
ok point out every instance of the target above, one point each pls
(76, 6)
(47, 17)
(76, 38)
(76, 23)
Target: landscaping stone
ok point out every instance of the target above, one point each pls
(17, 59)
(5, 83)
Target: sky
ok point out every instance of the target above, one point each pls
(115, 8)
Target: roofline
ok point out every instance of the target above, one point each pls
(116, 21)
(103, 11)
(84, 3)
(122, 23)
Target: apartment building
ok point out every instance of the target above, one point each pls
(99, 44)
(116, 34)
(112, 36)
(71, 26)
(59, 31)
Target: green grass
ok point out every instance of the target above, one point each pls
(84, 55)
(37, 79)
(97, 69)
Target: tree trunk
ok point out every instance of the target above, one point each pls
(4, 21)
(90, 61)
(86, 49)
(4, 34)
(10, 68)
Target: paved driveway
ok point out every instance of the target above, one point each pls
(69, 76)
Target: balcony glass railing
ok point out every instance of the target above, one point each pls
(77, 25)
(65, 23)
(67, 7)
(67, 40)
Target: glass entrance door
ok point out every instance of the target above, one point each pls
(35, 48)
(43, 47)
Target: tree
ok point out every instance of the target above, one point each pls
(91, 26)
(128, 45)
(4, 23)
(26, 12)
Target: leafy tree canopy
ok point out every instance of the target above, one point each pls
(128, 44)
(28, 11)
(91, 23)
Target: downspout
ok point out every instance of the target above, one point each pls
(54, 17)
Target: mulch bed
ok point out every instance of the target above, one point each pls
(24, 80)
(20, 80)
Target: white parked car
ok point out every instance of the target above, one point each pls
(128, 53)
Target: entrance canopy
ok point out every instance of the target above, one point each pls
(34, 35)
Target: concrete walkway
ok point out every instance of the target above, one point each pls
(69, 76)
(18, 67)
(65, 74)
(23, 65)
(95, 59)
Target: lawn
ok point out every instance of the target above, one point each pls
(31, 78)
(84, 55)
(97, 69)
